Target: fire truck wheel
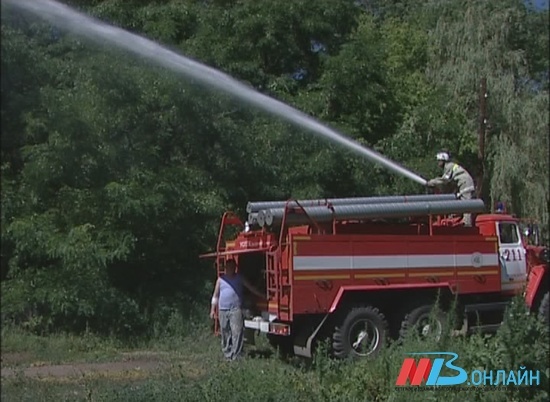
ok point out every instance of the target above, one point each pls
(425, 323)
(362, 333)
(544, 309)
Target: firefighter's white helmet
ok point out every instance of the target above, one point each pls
(443, 156)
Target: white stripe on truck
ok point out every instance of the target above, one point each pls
(477, 260)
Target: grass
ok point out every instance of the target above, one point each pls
(21, 348)
(194, 370)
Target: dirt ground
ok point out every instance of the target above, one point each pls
(137, 363)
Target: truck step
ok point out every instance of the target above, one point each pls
(484, 328)
(486, 307)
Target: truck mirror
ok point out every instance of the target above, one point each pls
(544, 255)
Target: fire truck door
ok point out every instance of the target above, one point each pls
(512, 256)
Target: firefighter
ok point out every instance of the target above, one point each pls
(228, 299)
(455, 174)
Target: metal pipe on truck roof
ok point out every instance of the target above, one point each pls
(253, 218)
(324, 214)
(261, 218)
(264, 205)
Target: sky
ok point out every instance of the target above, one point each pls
(541, 4)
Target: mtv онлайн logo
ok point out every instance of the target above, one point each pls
(429, 371)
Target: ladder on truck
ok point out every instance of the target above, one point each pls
(278, 275)
(278, 285)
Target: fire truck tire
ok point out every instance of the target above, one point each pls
(417, 317)
(347, 339)
(544, 309)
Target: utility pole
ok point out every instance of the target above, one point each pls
(481, 135)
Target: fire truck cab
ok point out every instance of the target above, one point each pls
(361, 271)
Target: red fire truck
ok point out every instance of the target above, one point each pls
(363, 270)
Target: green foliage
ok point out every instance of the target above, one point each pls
(196, 371)
(466, 46)
(115, 172)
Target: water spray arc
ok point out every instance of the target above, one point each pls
(97, 31)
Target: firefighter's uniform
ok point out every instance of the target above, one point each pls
(454, 173)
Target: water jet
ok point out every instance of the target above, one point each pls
(97, 31)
